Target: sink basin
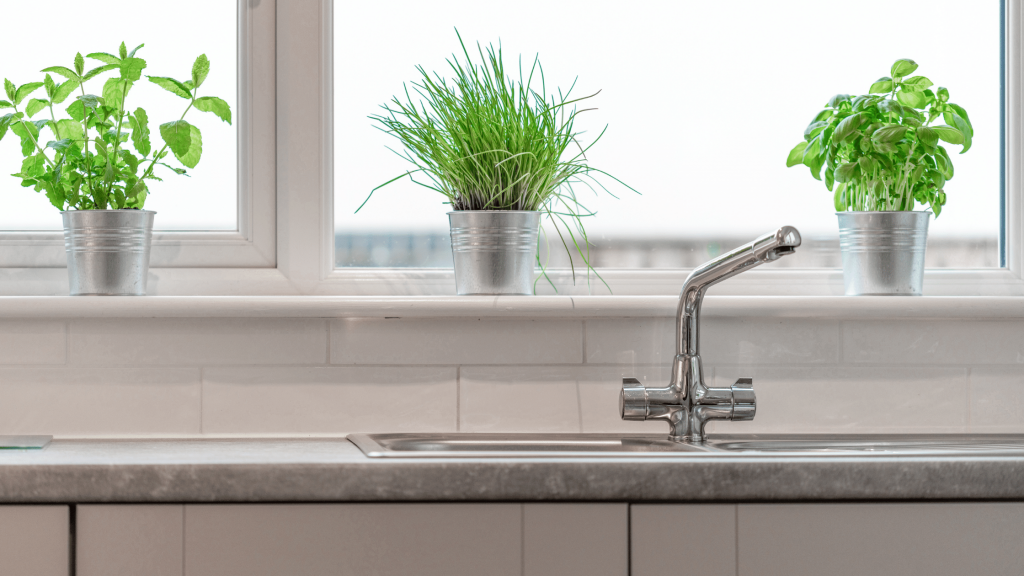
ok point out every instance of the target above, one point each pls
(657, 446)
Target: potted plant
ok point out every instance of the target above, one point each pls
(503, 154)
(882, 157)
(94, 165)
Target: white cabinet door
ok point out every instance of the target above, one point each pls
(129, 540)
(34, 540)
(363, 539)
(938, 539)
(575, 539)
(683, 539)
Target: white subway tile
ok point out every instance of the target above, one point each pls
(851, 400)
(934, 342)
(518, 399)
(328, 400)
(997, 399)
(199, 341)
(461, 341)
(723, 340)
(86, 401)
(32, 342)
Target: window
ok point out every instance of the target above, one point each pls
(222, 215)
(703, 101)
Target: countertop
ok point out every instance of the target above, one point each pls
(334, 470)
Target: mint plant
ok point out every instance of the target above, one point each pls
(880, 151)
(84, 162)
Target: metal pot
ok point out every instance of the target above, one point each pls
(108, 251)
(883, 252)
(495, 251)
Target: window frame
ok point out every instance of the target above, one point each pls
(253, 243)
(285, 244)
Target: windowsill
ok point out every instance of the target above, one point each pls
(581, 307)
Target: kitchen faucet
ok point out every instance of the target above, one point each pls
(686, 403)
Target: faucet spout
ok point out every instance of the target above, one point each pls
(687, 403)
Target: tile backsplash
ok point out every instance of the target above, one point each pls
(316, 376)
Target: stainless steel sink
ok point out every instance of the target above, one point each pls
(631, 446)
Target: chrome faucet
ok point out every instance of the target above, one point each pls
(686, 403)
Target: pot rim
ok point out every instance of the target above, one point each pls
(133, 210)
(496, 212)
(884, 212)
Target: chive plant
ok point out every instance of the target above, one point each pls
(486, 141)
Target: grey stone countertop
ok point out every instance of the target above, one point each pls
(334, 470)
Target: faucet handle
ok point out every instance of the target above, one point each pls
(744, 402)
(633, 400)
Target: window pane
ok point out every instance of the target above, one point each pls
(175, 33)
(703, 101)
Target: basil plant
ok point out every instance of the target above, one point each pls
(84, 162)
(881, 151)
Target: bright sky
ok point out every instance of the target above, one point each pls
(175, 33)
(703, 100)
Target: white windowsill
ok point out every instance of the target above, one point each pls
(580, 307)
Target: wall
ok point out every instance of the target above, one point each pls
(303, 376)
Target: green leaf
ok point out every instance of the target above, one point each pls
(927, 135)
(123, 51)
(90, 101)
(845, 172)
(131, 68)
(11, 90)
(71, 130)
(812, 130)
(130, 160)
(33, 166)
(839, 199)
(60, 145)
(884, 147)
(902, 67)
(847, 127)
(105, 58)
(815, 166)
(200, 70)
(860, 103)
(823, 115)
(890, 107)
(63, 71)
(114, 92)
(916, 83)
(55, 194)
(137, 48)
(912, 99)
(963, 114)
(812, 151)
(24, 90)
(195, 150)
(76, 110)
(178, 136)
(965, 130)
(140, 132)
(892, 133)
(79, 64)
(223, 111)
(937, 179)
(100, 70)
(6, 104)
(29, 133)
(830, 178)
(943, 94)
(881, 86)
(34, 106)
(171, 85)
(838, 99)
(949, 134)
(65, 90)
(796, 155)
(51, 88)
(943, 163)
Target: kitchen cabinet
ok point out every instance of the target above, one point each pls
(34, 540)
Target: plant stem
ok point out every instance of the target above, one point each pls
(85, 132)
(149, 171)
(117, 135)
(34, 141)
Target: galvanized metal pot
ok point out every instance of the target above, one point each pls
(883, 252)
(494, 251)
(108, 251)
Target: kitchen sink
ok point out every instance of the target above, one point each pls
(658, 446)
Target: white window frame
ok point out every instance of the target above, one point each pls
(286, 240)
